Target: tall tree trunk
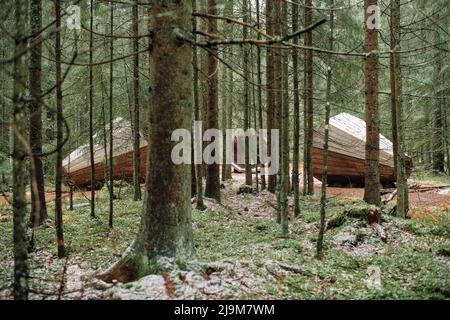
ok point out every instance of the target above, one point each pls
(230, 86)
(270, 85)
(323, 196)
(104, 93)
(228, 93)
(19, 153)
(296, 138)
(212, 189)
(278, 98)
(136, 114)
(111, 127)
(223, 120)
(5, 121)
(397, 111)
(198, 167)
(446, 138)
(438, 126)
(284, 176)
(305, 130)
(255, 124)
(254, 107)
(91, 108)
(166, 224)
(245, 67)
(38, 205)
(259, 75)
(59, 136)
(309, 99)
(372, 171)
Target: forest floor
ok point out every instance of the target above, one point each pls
(241, 253)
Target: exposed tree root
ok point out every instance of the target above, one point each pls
(127, 269)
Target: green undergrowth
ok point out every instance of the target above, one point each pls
(414, 263)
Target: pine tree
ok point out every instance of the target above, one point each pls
(212, 189)
(38, 204)
(59, 136)
(166, 223)
(372, 170)
(19, 152)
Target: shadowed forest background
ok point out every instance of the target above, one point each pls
(93, 207)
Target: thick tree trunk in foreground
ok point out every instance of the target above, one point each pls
(136, 128)
(166, 224)
(309, 100)
(397, 111)
(59, 136)
(372, 171)
(212, 189)
(38, 206)
(19, 152)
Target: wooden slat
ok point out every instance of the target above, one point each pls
(344, 168)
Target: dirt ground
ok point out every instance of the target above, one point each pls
(423, 199)
(417, 199)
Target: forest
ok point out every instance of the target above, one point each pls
(224, 150)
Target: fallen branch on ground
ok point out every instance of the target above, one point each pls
(390, 197)
(292, 269)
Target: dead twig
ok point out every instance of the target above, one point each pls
(293, 269)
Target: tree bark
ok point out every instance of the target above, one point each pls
(59, 136)
(397, 110)
(166, 224)
(259, 76)
(198, 167)
(111, 126)
(227, 92)
(372, 171)
(309, 100)
(323, 196)
(91, 108)
(284, 175)
(38, 204)
(136, 114)
(296, 137)
(278, 99)
(224, 114)
(19, 153)
(255, 107)
(270, 86)
(246, 70)
(212, 189)
(438, 126)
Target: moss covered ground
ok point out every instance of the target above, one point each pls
(414, 262)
